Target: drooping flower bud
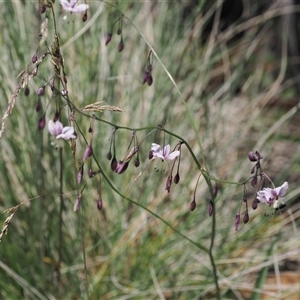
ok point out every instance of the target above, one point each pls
(41, 91)
(42, 9)
(119, 31)
(176, 178)
(109, 156)
(38, 105)
(150, 154)
(90, 173)
(99, 204)
(108, 38)
(215, 191)
(42, 123)
(210, 208)
(121, 46)
(113, 164)
(88, 152)
(137, 162)
(237, 221)
(254, 204)
(56, 116)
(254, 181)
(26, 91)
(34, 58)
(84, 17)
(246, 218)
(193, 205)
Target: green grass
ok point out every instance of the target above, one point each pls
(215, 94)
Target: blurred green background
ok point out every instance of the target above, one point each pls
(235, 88)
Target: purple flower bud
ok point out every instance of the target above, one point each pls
(109, 156)
(88, 152)
(119, 31)
(169, 183)
(108, 38)
(246, 218)
(42, 123)
(121, 167)
(84, 17)
(56, 116)
(193, 205)
(38, 105)
(65, 78)
(253, 169)
(254, 181)
(42, 9)
(252, 156)
(113, 164)
(34, 58)
(99, 204)
(149, 79)
(90, 129)
(176, 178)
(254, 204)
(210, 208)
(26, 91)
(41, 91)
(137, 162)
(80, 175)
(121, 46)
(90, 173)
(237, 221)
(150, 155)
(77, 202)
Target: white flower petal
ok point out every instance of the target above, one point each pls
(282, 189)
(55, 128)
(155, 147)
(67, 133)
(80, 8)
(173, 155)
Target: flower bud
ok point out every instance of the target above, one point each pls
(108, 38)
(34, 58)
(34, 71)
(38, 105)
(252, 156)
(254, 204)
(121, 167)
(210, 208)
(84, 17)
(254, 181)
(150, 154)
(119, 31)
(246, 218)
(26, 91)
(193, 205)
(121, 46)
(88, 152)
(41, 91)
(42, 9)
(237, 221)
(90, 173)
(109, 156)
(56, 116)
(149, 79)
(42, 123)
(137, 162)
(176, 178)
(99, 204)
(113, 164)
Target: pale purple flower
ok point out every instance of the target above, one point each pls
(72, 6)
(163, 154)
(60, 132)
(270, 196)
